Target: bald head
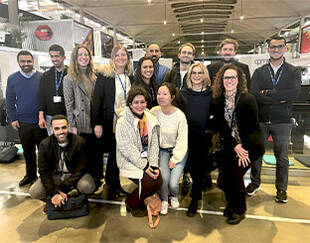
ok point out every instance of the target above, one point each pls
(154, 52)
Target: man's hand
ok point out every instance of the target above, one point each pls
(42, 122)
(15, 125)
(57, 200)
(74, 130)
(171, 164)
(98, 131)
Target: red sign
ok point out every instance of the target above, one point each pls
(43, 32)
(305, 40)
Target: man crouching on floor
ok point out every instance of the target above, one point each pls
(62, 165)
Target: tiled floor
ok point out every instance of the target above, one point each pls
(22, 219)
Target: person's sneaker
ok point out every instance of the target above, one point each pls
(281, 196)
(228, 212)
(251, 189)
(73, 193)
(164, 207)
(174, 202)
(27, 180)
(192, 209)
(235, 218)
(186, 184)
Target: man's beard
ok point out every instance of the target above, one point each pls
(276, 59)
(182, 62)
(27, 68)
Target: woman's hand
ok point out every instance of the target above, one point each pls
(74, 130)
(98, 131)
(171, 164)
(152, 173)
(242, 155)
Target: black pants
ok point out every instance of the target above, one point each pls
(112, 171)
(233, 183)
(149, 187)
(94, 156)
(31, 136)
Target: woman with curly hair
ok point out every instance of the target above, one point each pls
(234, 116)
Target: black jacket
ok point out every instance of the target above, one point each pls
(276, 105)
(47, 91)
(49, 155)
(103, 104)
(247, 121)
(174, 76)
(215, 67)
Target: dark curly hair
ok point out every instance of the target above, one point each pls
(133, 92)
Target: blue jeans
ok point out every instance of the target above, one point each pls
(281, 134)
(171, 177)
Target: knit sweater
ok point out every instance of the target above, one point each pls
(173, 132)
(21, 97)
(129, 146)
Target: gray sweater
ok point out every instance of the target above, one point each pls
(129, 146)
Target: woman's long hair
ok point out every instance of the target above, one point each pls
(206, 77)
(218, 86)
(74, 71)
(128, 68)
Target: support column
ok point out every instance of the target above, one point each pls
(13, 12)
(115, 41)
(134, 43)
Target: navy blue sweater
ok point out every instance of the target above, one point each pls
(21, 97)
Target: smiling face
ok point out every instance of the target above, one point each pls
(138, 105)
(197, 76)
(186, 55)
(276, 49)
(230, 80)
(57, 59)
(83, 57)
(25, 63)
(60, 130)
(147, 69)
(154, 52)
(164, 97)
(228, 51)
(120, 59)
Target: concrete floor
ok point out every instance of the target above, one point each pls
(266, 221)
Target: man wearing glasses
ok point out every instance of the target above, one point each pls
(228, 49)
(177, 75)
(160, 70)
(275, 85)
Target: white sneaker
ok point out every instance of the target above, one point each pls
(174, 202)
(164, 207)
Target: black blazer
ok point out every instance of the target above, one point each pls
(103, 104)
(247, 121)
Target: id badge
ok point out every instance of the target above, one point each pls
(144, 154)
(56, 99)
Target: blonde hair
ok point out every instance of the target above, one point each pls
(189, 45)
(230, 41)
(74, 70)
(128, 67)
(206, 80)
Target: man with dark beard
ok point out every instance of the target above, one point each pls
(228, 49)
(177, 75)
(160, 70)
(22, 108)
(275, 85)
(51, 100)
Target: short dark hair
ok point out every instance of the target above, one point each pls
(276, 38)
(59, 117)
(24, 53)
(173, 90)
(56, 47)
(133, 92)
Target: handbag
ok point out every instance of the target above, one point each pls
(74, 207)
(8, 152)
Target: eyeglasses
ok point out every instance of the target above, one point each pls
(276, 47)
(197, 73)
(230, 77)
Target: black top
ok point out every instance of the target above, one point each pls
(47, 91)
(276, 105)
(174, 76)
(49, 155)
(215, 67)
(247, 122)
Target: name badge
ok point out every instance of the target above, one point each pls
(144, 154)
(56, 99)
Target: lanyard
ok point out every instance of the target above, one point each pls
(275, 81)
(58, 81)
(123, 85)
(231, 116)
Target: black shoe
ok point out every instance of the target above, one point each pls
(186, 184)
(251, 189)
(228, 212)
(192, 209)
(122, 193)
(27, 180)
(136, 212)
(281, 196)
(235, 218)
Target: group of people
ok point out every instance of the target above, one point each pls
(156, 124)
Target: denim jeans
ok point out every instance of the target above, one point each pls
(281, 134)
(171, 177)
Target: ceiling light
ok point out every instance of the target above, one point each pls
(202, 46)
(201, 20)
(173, 34)
(165, 21)
(202, 41)
(241, 17)
(202, 32)
(149, 1)
(232, 31)
(179, 42)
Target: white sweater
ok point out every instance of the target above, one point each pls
(173, 132)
